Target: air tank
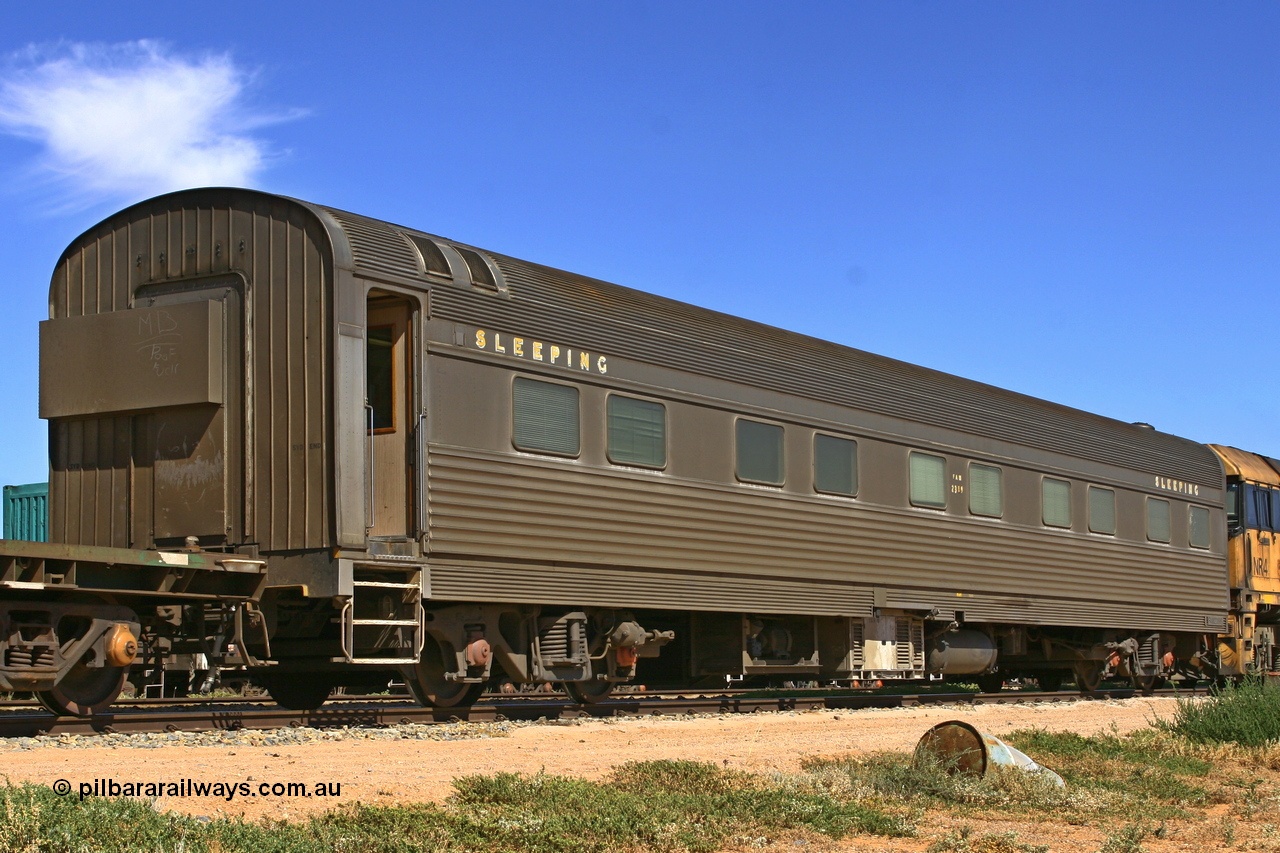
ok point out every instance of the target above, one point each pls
(961, 652)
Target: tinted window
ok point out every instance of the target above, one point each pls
(1257, 508)
(545, 417)
(1233, 504)
(928, 480)
(759, 452)
(1157, 520)
(986, 491)
(1102, 510)
(1055, 499)
(1199, 527)
(637, 432)
(835, 465)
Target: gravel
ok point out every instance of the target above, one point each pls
(289, 736)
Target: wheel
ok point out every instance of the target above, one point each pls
(588, 692)
(1050, 680)
(1147, 684)
(428, 685)
(85, 690)
(991, 682)
(299, 691)
(1088, 675)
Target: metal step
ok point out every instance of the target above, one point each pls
(410, 631)
(386, 661)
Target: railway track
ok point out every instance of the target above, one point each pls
(383, 711)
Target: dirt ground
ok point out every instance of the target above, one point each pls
(391, 771)
(399, 771)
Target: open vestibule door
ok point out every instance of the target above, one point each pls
(390, 413)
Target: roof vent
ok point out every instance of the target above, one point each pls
(483, 273)
(1143, 425)
(433, 260)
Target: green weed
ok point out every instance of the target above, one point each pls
(653, 806)
(1247, 713)
(1146, 767)
(1127, 840)
(900, 777)
(964, 841)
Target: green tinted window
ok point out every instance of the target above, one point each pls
(637, 432)
(986, 491)
(1055, 498)
(545, 417)
(1199, 527)
(1102, 510)
(1233, 504)
(759, 448)
(835, 465)
(1157, 520)
(928, 480)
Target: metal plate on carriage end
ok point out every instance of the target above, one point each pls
(132, 360)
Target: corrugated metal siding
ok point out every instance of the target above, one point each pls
(89, 481)
(618, 321)
(611, 586)
(282, 250)
(26, 512)
(523, 509)
(290, 374)
(614, 586)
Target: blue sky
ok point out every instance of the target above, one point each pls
(1076, 201)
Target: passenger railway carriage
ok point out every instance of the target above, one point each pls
(433, 458)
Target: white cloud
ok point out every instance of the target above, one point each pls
(133, 119)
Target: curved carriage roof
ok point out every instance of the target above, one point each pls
(490, 289)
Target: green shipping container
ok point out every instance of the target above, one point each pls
(26, 512)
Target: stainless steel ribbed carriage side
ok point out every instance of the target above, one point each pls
(691, 537)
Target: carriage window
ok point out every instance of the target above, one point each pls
(1055, 500)
(986, 491)
(1199, 527)
(835, 465)
(637, 432)
(928, 480)
(759, 453)
(1157, 520)
(545, 417)
(1102, 510)
(380, 378)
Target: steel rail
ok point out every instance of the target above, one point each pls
(391, 711)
